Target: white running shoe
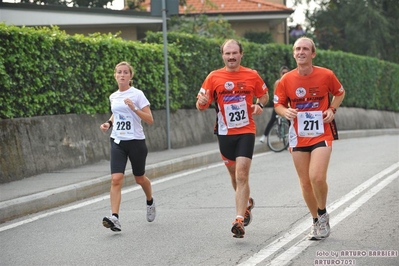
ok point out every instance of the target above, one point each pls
(324, 226)
(151, 212)
(314, 230)
(263, 139)
(112, 222)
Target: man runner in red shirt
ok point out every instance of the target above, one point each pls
(233, 89)
(309, 96)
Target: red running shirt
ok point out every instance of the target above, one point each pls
(311, 96)
(233, 94)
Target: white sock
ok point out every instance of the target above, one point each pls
(240, 217)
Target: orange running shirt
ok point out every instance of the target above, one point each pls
(311, 96)
(233, 94)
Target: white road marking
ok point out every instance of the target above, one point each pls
(98, 199)
(304, 225)
(300, 246)
(124, 191)
(276, 245)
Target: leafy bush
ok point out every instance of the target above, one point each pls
(44, 71)
(258, 37)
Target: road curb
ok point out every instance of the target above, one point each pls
(15, 208)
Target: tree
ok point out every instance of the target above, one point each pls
(134, 4)
(203, 26)
(364, 27)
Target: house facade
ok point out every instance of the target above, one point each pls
(244, 15)
(130, 25)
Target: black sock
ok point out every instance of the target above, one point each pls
(116, 215)
(149, 202)
(315, 220)
(321, 212)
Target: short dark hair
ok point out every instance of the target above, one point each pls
(231, 40)
(283, 68)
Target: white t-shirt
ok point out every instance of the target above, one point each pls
(127, 124)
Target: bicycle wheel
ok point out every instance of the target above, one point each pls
(277, 140)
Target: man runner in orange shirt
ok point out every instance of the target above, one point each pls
(303, 96)
(233, 89)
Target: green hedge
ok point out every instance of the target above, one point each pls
(44, 71)
(47, 72)
(370, 83)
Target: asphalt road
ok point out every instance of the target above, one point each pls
(196, 209)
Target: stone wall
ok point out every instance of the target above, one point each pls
(31, 146)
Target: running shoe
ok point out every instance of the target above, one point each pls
(151, 212)
(112, 222)
(324, 226)
(238, 228)
(263, 139)
(314, 232)
(248, 214)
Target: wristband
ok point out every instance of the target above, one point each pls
(110, 123)
(333, 109)
(260, 104)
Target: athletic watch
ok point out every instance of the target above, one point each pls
(260, 104)
(333, 109)
(135, 109)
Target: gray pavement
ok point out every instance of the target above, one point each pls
(50, 190)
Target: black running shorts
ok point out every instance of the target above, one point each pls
(135, 150)
(311, 148)
(234, 146)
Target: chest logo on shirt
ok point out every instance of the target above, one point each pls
(122, 117)
(300, 92)
(229, 85)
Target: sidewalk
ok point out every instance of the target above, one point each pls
(54, 189)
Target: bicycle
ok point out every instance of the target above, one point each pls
(277, 139)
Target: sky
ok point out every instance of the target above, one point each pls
(299, 15)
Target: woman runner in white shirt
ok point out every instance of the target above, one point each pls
(129, 107)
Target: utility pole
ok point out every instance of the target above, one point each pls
(170, 7)
(165, 55)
